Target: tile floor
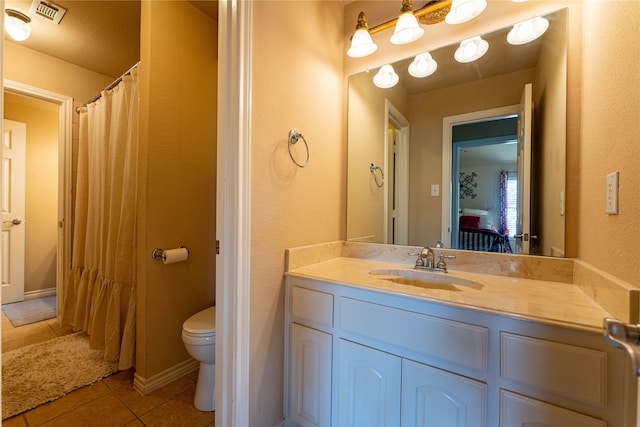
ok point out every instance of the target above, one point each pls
(111, 402)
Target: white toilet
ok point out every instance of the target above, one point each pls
(199, 337)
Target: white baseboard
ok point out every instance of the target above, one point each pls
(40, 293)
(147, 385)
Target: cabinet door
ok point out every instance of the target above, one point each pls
(368, 387)
(517, 410)
(310, 377)
(435, 398)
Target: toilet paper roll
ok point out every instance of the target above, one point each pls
(170, 256)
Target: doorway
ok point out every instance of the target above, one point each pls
(50, 172)
(486, 172)
(451, 173)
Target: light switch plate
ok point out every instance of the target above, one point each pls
(435, 190)
(612, 193)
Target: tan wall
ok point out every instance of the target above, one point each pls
(610, 142)
(41, 206)
(550, 158)
(296, 84)
(26, 66)
(177, 176)
(366, 130)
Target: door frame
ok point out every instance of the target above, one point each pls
(65, 129)
(447, 147)
(395, 117)
(233, 213)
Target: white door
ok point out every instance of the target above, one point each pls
(14, 139)
(525, 118)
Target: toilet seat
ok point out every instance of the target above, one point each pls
(202, 323)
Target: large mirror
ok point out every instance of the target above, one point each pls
(473, 155)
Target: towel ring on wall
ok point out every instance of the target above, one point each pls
(372, 169)
(294, 136)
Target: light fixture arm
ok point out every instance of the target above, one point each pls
(362, 22)
(407, 6)
(441, 6)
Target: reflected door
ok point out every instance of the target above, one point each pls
(13, 210)
(523, 226)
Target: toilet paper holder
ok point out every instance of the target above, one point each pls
(158, 254)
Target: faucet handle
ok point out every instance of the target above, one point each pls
(420, 259)
(441, 263)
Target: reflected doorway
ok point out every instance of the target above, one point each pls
(484, 201)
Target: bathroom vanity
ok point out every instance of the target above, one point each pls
(373, 343)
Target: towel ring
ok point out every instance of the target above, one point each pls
(372, 169)
(294, 136)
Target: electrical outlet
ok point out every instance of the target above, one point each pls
(612, 193)
(435, 190)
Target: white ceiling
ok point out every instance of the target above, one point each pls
(100, 35)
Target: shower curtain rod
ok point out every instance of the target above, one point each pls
(109, 87)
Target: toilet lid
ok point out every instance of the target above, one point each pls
(203, 322)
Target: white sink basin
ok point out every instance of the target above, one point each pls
(426, 279)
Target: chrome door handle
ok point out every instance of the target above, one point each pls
(525, 236)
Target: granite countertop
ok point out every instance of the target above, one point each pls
(546, 301)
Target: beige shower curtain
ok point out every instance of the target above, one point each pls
(100, 294)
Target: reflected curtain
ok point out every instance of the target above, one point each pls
(504, 202)
(504, 211)
(99, 296)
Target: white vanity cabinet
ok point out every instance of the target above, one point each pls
(362, 357)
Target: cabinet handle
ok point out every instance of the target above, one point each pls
(625, 336)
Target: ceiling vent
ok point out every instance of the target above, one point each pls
(47, 10)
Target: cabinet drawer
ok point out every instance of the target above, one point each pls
(569, 371)
(454, 342)
(311, 307)
(517, 410)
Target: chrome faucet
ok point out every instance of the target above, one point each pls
(426, 260)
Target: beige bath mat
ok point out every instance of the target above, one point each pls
(45, 371)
